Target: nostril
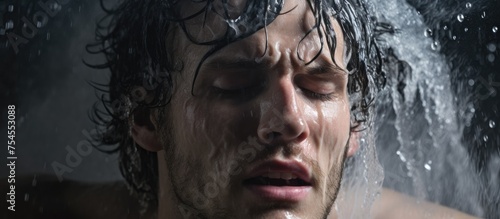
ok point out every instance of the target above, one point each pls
(301, 137)
(271, 136)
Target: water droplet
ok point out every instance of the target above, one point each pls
(471, 82)
(33, 183)
(460, 17)
(435, 45)
(492, 124)
(490, 57)
(38, 24)
(485, 138)
(445, 27)
(9, 25)
(494, 29)
(428, 32)
(466, 29)
(26, 197)
(468, 5)
(454, 37)
(483, 15)
(10, 8)
(427, 167)
(401, 156)
(491, 47)
(55, 6)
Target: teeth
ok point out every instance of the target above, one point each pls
(275, 175)
(286, 176)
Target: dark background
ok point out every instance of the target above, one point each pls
(49, 84)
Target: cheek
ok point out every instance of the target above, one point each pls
(330, 132)
(330, 121)
(194, 128)
(208, 129)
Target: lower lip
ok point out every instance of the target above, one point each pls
(280, 193)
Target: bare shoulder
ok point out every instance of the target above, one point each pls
(47, 197)
(393, 204)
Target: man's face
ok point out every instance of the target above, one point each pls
(264, 135)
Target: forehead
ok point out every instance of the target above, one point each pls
(292, 30)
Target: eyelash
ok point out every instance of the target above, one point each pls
(250, 91)
(243, 92)
(318, 96)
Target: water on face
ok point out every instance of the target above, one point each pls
(418, 139)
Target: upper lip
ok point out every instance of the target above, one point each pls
(275, 166)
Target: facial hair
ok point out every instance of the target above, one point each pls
(182, 171)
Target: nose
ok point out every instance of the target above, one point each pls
(282, 120)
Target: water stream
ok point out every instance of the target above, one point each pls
(421, 121)
(418, 133)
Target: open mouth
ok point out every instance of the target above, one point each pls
(276, 179)
(279, 181)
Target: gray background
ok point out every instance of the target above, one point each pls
(49, 84)
(54, 96)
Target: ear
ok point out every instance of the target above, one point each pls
(143, 130)
(353, 143)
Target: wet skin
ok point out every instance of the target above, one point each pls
(256, 114)
(257, 117)
(251, 117)
(50, 198)
(260, 134)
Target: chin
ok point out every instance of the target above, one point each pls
(279, 211)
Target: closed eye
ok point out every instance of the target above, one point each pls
(317, 96)
(240, 94)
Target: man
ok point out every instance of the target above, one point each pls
(270, 135)
(258, 119)
(241, 109)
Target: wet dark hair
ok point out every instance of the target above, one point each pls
(133, 38)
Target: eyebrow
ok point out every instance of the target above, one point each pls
(326, 69)
(238, 63)
(242, 63)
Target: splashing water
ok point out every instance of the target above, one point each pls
(362, 181)
(417, 128)
(433, 162)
